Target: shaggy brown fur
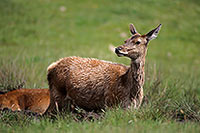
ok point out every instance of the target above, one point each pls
(95, 84)
(35, 100)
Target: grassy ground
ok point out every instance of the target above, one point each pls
(34, 34)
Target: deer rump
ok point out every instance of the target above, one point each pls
(88, 83)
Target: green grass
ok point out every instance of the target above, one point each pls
(35, 34)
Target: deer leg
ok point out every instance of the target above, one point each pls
(139, 97)
(52, 104)
(56, 98)
(126, 104)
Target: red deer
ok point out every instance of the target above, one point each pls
(34, 100)
(94, 84)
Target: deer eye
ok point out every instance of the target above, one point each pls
(138, 42)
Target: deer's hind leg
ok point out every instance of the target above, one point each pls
(57, 100)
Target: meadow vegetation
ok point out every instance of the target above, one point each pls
(35, 34)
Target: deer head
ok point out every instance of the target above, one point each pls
(135, 47)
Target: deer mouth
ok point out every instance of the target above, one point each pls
(120, 53)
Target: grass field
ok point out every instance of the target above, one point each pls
(35, 34)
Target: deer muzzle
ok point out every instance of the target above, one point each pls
(119, 52)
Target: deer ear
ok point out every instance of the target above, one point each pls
(132, 29)
(154, 33)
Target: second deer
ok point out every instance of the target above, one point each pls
(94, 84)
(34, 100)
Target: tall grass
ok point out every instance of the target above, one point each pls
(12, 76)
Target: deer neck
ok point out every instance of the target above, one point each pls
(136, 76)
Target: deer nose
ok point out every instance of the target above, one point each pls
(117, 50)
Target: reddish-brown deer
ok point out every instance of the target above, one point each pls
(94, 84)
(35, 100)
